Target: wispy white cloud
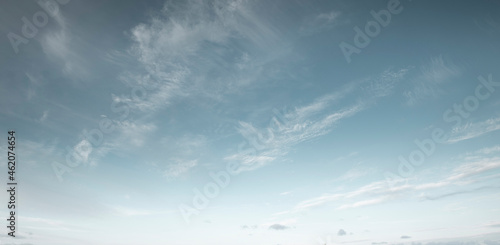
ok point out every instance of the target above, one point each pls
(35, 83)
(135, 133)
(474, 168)
(153, 91)
(187, 52)
(130, 136)
(363, 203)
(460, 180)
(320, 22)
(384, 84)
(132, 211)
(276, 144)
(326, 101)
(486, 151)
(460, 192)
(318, 201)
(118, 58)
(183, 154)
(44, 116)
(473, 130)
(309, 121)
(378, 189)
(428, 84)
(181, 48)
(178, 168)
(439, 71)
(473, 164)
(61, 45)
(356, 173)
(171, 49)
(285, 193)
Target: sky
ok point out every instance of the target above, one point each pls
(284, 122)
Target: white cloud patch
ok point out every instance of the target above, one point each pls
(182, 154)
(188, 50)
(62, 46)
(474, 168)
(84, 148)
(356, 173)
(384, 84)
(428, 84)
(124, 211)
(269, 144)
(131, 136)
(285, 193)
(363, 203)
(471, 175)
(320, 22)
(473, 130)
(134, 133)
(263, 146)
(44, 116)
(178, 168)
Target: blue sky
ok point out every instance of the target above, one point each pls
(250, 122)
